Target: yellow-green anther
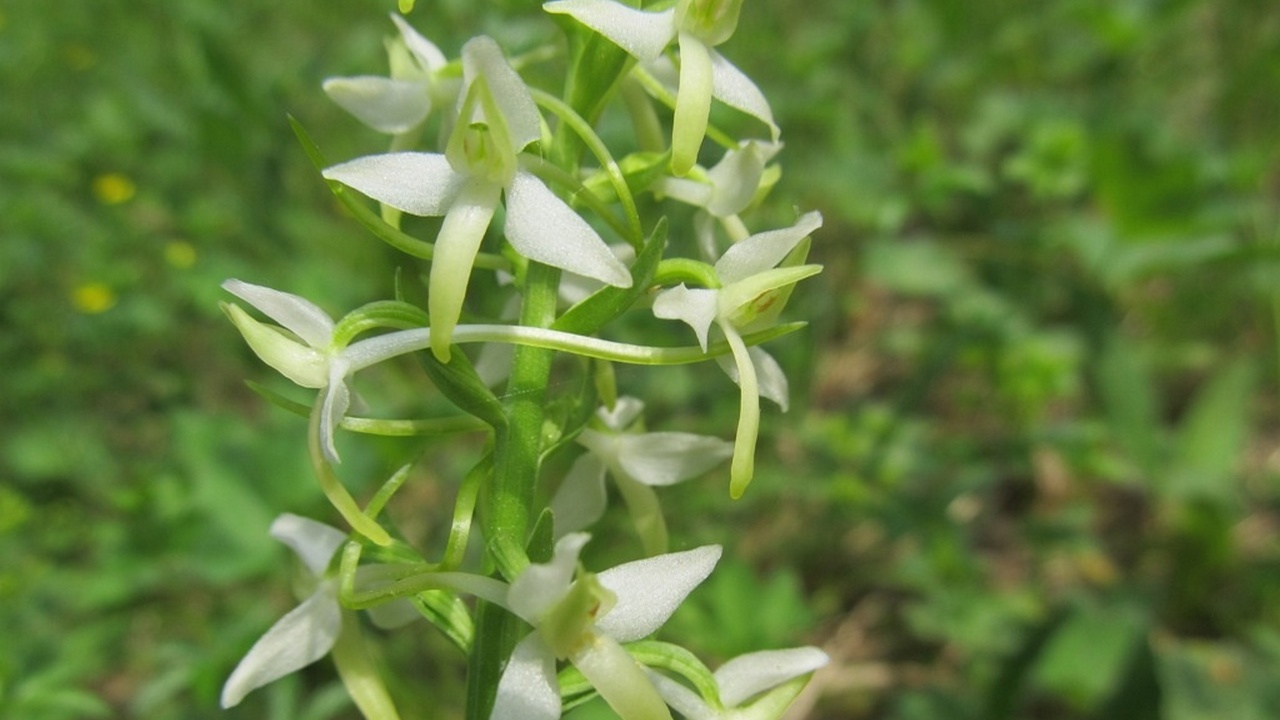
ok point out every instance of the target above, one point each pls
(567, 626)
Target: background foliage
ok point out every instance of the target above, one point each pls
(1031, 471)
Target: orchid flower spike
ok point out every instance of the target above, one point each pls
(584, 620)
(755, 686)
(310, 630)
(752, 294)
(497, 118)
(638, 462)
(398, 104)
(696, 26)
(306, 353)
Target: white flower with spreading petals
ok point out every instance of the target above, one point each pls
(638, 462)
(584, 620)
(306, 353)
(753, 292)
(773, 678)
(398, 104)
(497, 119)
(310, 630)
(697, 26)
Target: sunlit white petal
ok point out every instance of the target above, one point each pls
(300, 363)
(423, 49)
(580, 499)
(527, 689)
(642, 34)
(296, 314)
(697, 307)
(540, 586)
(386, 105)
(650, 590)
(414, 182)
(772, 380)
(730, 86)
(764, 250)
(298, 639)
(314, 542)
(481, 57)
(748, 675)
(665, 458)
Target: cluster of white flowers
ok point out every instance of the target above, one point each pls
(492, 138)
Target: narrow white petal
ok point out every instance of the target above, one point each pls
(300, 363)
(335, 401)
(764, 250)
(689, 192)
(456, 246)
(423, 49)
(748, 675)
(542, 227)
(481, 57)
(414, 182)
(696, 307)
(580, 499)
(742, 468)
(386, 105)
(542, 585)
(683, 700)
(620, 681)
(665, 458)
(314, 542)
(642, 34)
(733, 88)
(772, 380)
(298, 639)
(650, 590)
(296, 314)
(735, 179)
(371, 351)
(527, 689)
(624, 412)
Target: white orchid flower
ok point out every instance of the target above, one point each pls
(696, 26)
(752, 293)
(310, 630)
(584, 620)
(497, 119)
(722, 192)
(773, 678)
(398, 104)
(638, 462)
(306, 353)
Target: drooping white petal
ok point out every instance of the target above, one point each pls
(642, 34)
(748, 675)
(742, 468)
(666, 458)
(481, 57)
(735, 179)
(650, 590)
(527, 689)
(314, 542)
(683, 700)
(772, 380)
(689, 192)
(414, 182)
(764, 250)
(541, 227)
(733, 88)
(620, 680)
(624, 412)
(296, 314)
(300, 363)
(423, 49)
(386, 105)
(580, 499)
(456, 247)
(298, 639)
(333, 407)
(693, 103)
(697, 307)
(540, 586)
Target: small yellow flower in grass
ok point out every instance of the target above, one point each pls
(180, 254)
(93, 298)
(113, 188)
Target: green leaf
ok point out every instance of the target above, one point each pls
(458, 381)
(1213, 435)
(609, 302)
(1087, 657)
(1128, 394)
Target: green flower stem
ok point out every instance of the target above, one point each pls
(665, 96)
(583, 130)
(335, 492)
(644, 119)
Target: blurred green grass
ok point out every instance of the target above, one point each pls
(1031, 471)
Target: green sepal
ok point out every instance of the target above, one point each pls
(464, 512)
(609, 302)
(450, 615)
(389, 488)
(596, 68)
(673, 271)
(458, 381)
(380, 314)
